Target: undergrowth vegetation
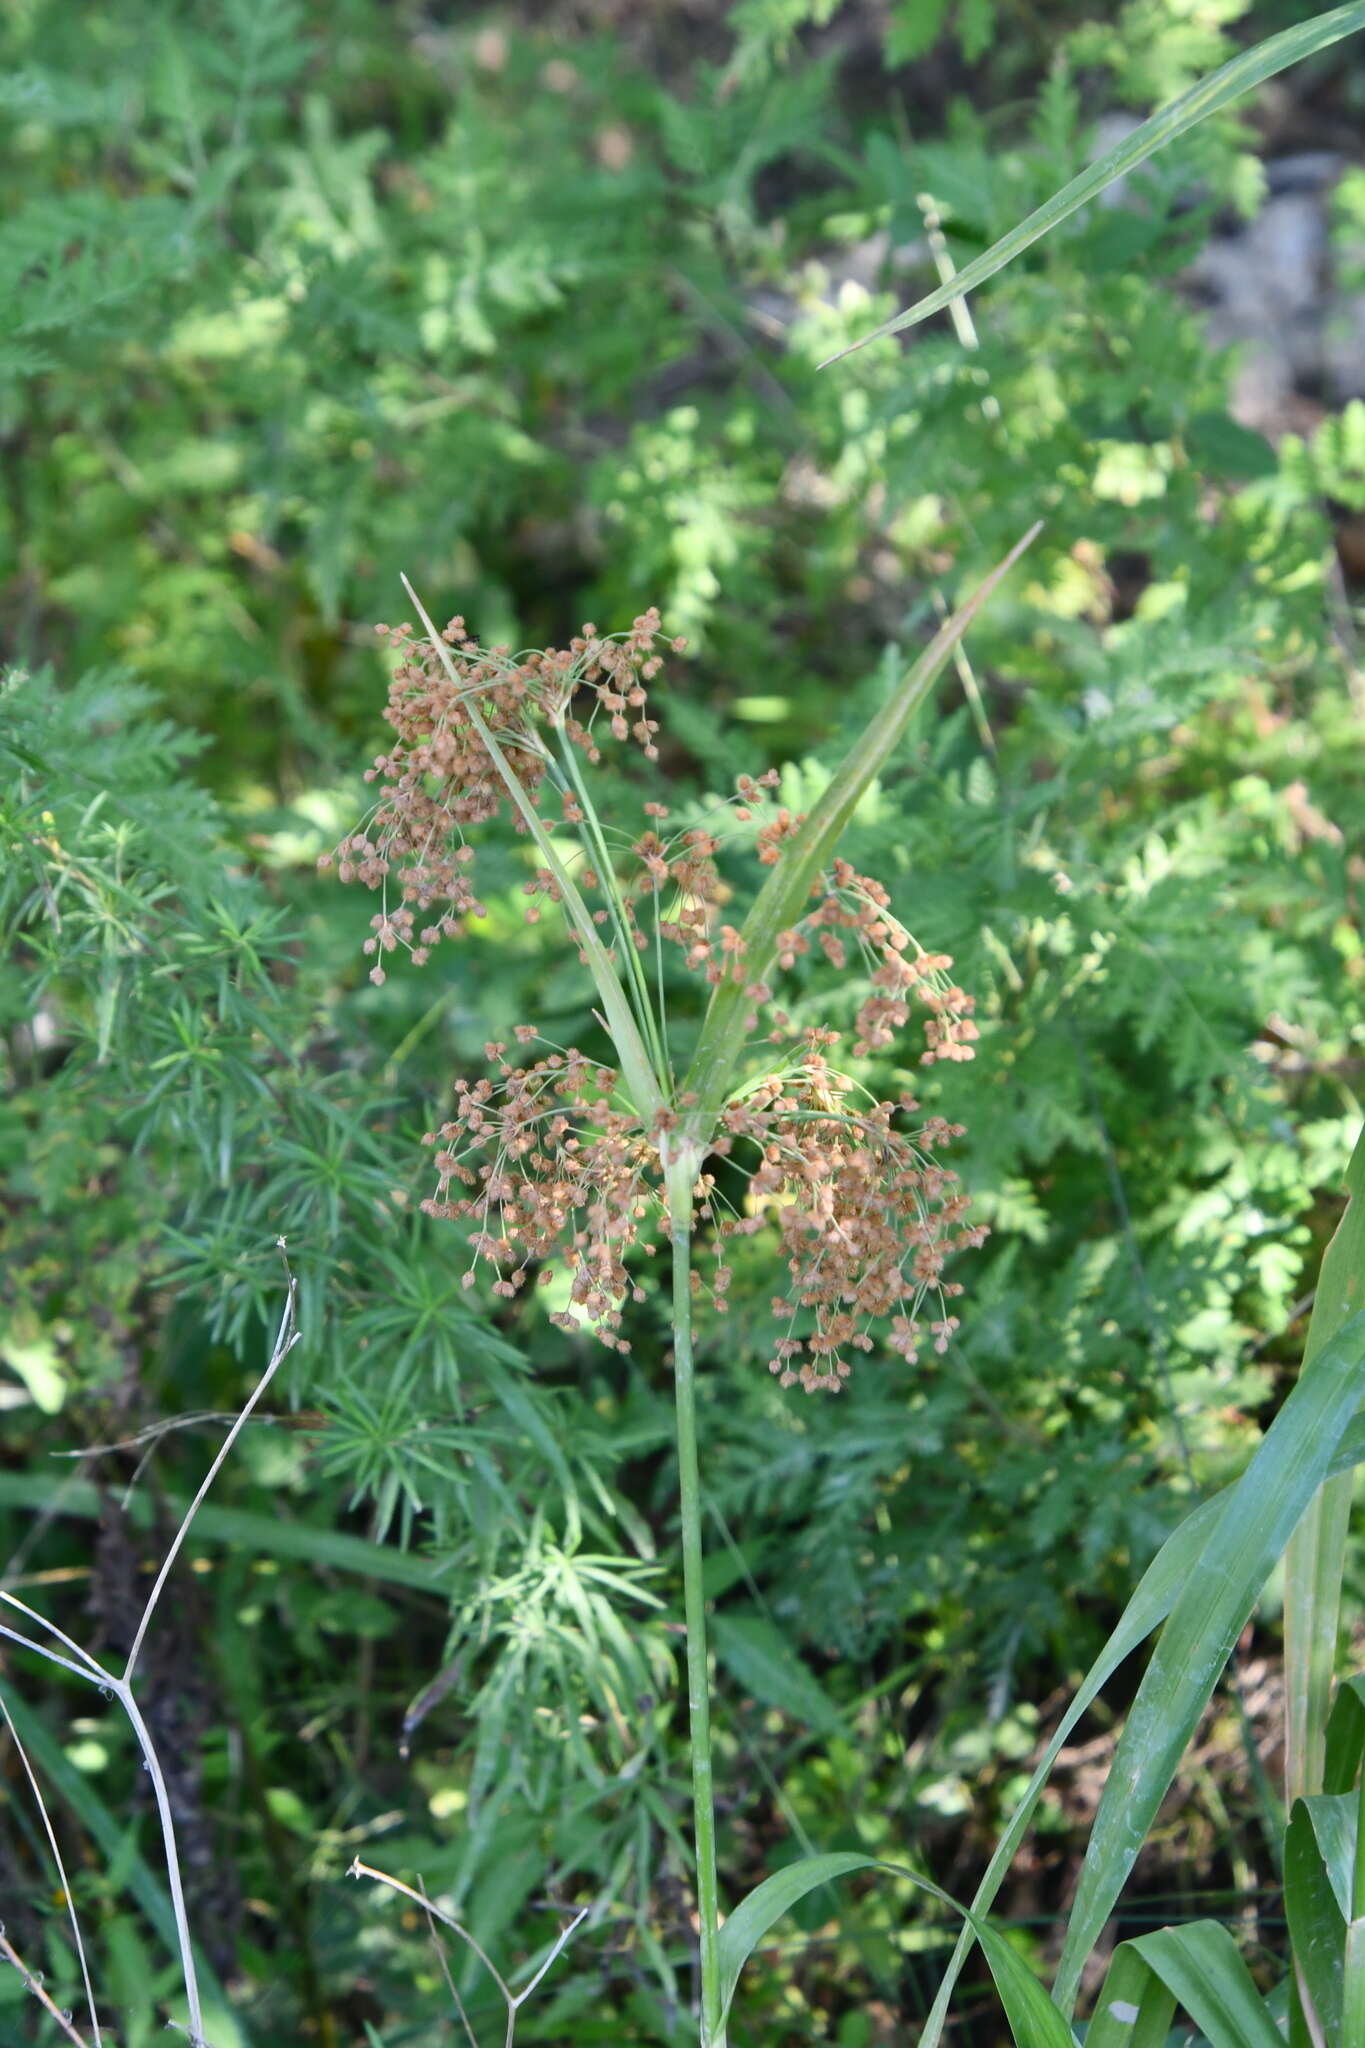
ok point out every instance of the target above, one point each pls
(530, 306)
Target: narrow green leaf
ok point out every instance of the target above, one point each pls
(782, 900)
(1174, 1564)
(1201, 1965)
(1331, 1819)
(1316, 1558)
(1034, 2020)
(770, 1902)
(238, 1528)
(763, 1662)
(1135, 2008)
(1345, 1736)
(1209, 96)
(1317, 1894)
(1205, 1621)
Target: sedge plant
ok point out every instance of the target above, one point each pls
(564, 1164)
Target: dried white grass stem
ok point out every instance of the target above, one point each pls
(513, 2000)
(120, 1688)
(286, 1339)
(35, 1985)
(60, 1865)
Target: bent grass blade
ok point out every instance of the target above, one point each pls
(1209, 96)
(1155, 1596)
(1208, 1615)
(1034, 2021)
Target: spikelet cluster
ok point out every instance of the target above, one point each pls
(544, 1160)
(440, 776)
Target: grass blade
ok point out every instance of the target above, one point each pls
(1135, 2008)
(1317, 1877)
(1034, 2020)
(1316, 1558)
(1345, 1736)
(770, 1902)
(1201, 1965)
(762, 1661)
(1155, 1595)
(1209, 96)
(1204, 1623)
(1353, 2009)
(237, 1529)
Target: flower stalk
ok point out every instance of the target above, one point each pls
(681, 1165)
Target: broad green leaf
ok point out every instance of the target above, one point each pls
(760, 1658)
(1332, 1819)
(1210, 96)
(1155, 1595)
(1135, 2009)
(1208, 1615)
(1316, 1557)
(782, 900)
(1200, 1964)
(1345, 1736)
(1317, 1893)
(1034, 2021)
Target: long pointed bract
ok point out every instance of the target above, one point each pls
(783, 897)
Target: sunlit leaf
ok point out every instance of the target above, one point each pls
(1210, 96)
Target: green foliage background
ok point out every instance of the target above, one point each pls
(295, 297)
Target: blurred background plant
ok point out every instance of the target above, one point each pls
(528, 304)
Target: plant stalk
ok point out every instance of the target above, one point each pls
(680, 1169)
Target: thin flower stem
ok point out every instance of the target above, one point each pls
(681, 1172)
(285, 1341)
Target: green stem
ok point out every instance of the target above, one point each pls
(680, 1175)
(606, 875)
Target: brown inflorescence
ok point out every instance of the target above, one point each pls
(548, 1161)
(442, 778)
(554, 1172)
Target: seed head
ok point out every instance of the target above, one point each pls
(549, 1162)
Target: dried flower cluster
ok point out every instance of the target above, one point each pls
(549, 1162)
(864, 1212)
(442, 777)
(557, 1174)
